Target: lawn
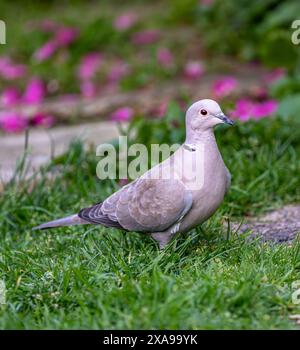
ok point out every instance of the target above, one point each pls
(93, 277)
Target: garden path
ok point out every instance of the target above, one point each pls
(44, 144)
(280, 226)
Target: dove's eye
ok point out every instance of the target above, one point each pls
(203, 111)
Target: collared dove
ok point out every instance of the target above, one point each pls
(176, 202)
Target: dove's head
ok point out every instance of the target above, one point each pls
(205, 114)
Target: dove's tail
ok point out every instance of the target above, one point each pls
(66, 221)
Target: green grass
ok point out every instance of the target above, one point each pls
(92, 277)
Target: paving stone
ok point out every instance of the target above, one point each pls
(44, 144)
(281, 225)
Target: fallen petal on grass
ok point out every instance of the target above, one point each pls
(46, 51)
(165, 57)
(224, 86)
(125, 21)
(88, 89)
(10, 70)
(10, 97)
(41, 119)
(122, 114)
(35, 91)
(193, 70)
(89, 64)
(13, 122)
(145, 37)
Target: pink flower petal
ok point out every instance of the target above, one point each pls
(125, 21)
(275, 75)
(193, 70)
(259, 92)
(246, 109)
(41, 119)
(89, 64)
(164, 57)
(35, 92)
(9, 70)
(123, 182)
(15, 71)
(243, 109)
(161, 110)
(224, 86)
(46, 51)
(88, 89)
(122, 114)
(10, 97)
(65, 36)
(118, 71)
(13, 122)
(264, 109)
(145, 37)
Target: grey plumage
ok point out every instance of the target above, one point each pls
(164, 207)
(66, 221)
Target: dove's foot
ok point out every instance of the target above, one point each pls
(162, 238)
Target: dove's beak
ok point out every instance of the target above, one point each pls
(224, 118)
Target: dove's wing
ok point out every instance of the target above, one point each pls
(146, 205)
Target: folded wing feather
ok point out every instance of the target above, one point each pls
(145, 205)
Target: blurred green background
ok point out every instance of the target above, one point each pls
(144, 45)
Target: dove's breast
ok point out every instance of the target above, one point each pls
(212, 182)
